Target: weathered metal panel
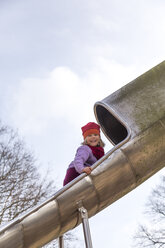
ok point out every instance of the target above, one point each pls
(140, 103)
(41, 226)
(12, 237)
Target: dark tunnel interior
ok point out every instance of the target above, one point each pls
(112, 127)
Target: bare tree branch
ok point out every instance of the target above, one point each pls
(21, 186)
(153, 235)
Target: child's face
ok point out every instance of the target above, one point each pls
(93, 139)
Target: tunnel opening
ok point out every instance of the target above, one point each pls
(112, 127)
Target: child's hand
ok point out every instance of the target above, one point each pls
(87, 170)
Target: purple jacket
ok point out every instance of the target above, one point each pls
(84, 157)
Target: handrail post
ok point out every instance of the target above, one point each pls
(86, 229)
(61, 242)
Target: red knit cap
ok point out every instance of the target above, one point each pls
(90, 128)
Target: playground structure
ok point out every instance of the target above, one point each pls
(133, 119)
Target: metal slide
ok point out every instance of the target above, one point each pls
(133, 119)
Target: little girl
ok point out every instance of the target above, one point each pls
(87, 154)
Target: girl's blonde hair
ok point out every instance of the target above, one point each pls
(101, 143)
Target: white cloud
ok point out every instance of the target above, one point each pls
(64, 94)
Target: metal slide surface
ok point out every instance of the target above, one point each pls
(133, 119)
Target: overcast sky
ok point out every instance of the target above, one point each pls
(59, 57)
